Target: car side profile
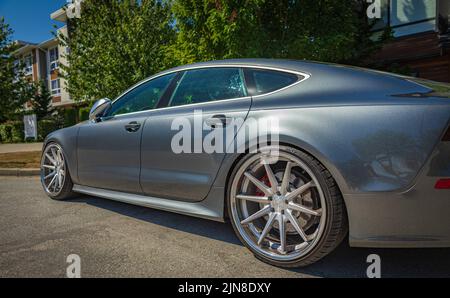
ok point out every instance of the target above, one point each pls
(359, 152)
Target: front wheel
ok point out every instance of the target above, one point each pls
(288, 211)
(55, 177)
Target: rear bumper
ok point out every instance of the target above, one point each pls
(417, 217)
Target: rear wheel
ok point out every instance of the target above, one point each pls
(287, 210)
(55, 177)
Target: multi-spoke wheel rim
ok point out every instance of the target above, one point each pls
(53, 169)
(278, 207)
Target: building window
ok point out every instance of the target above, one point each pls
(56, 89)
(16, 68)
(53, 58)
(443, 14)
(28, 65)
(407, 17)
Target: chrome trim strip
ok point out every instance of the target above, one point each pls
(198, 209)
(303, 74)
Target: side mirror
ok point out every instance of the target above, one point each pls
(99, 107)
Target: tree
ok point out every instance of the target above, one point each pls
(14, 90)
(117, 43)
(323, 30)
(41, 101)
(211, 30)
(114, 45)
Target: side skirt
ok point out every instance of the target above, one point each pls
(212, 207)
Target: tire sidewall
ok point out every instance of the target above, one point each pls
(67, 187)
(328, 201)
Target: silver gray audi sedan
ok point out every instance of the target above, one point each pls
(353, 151)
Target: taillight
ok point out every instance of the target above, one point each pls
(446, 137)
(442, 184)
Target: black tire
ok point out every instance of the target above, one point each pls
(65, 192)
(336, 226)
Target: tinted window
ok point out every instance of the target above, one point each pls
(142, 98)
(268, 80)
(209, 84)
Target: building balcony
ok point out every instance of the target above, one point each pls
(59, 15)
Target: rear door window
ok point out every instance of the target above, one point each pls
(209, 84)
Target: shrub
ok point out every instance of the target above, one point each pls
(17, 132)
(5, 133)
(83, 114)
(70, 117)
(45, 127)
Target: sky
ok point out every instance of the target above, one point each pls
(30, 19)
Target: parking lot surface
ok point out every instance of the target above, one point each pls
(119, 240)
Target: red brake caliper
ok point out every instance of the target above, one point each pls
(264, 179)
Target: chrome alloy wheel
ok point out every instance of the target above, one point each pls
(53, 169)
(278, 207)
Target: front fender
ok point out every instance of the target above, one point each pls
(67, 139)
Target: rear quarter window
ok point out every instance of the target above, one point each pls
(265, 81)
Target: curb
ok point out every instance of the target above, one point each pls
(20, 172)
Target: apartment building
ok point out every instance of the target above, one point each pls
(42, 62)
(421, 41)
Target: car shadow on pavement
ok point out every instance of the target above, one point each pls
(202, 227)
(347, 261)
(343, 262)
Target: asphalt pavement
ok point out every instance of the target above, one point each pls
(120, 240)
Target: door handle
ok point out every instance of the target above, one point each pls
(218, 120)
(132, 126)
